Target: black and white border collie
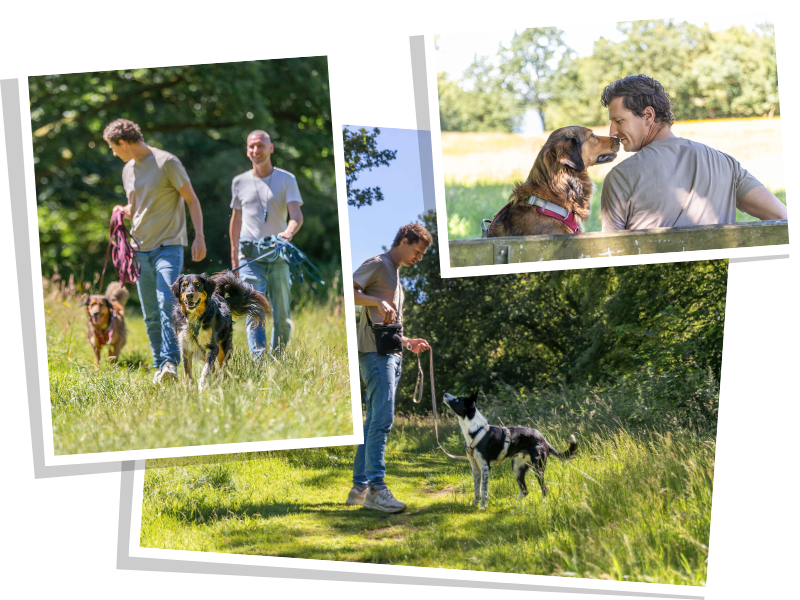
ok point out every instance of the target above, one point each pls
(488, 445)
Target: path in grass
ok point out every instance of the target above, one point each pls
(627, 508)
(306, 394)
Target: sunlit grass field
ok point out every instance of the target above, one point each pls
(305, 394)
(630, 506)
(480, 169)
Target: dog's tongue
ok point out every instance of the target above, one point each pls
(96, 318)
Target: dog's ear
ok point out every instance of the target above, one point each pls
(108, 304)
(176, 287)
(569, 151)
(209, 285)
(473, 398)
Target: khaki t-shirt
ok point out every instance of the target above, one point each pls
(674, 183)
(378, 277)
(158, 215)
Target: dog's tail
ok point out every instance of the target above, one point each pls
(241, 297)
(117, 291)
(573, 445)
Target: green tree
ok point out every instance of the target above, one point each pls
(361, 153)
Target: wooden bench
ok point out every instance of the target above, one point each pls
(535, 248)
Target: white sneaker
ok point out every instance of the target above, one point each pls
(169, 371)
(356, 496)
(156, 375)
(384, 501)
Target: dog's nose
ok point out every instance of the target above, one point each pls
(616, 143)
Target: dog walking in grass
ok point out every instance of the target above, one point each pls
(106, 321)
(488, 445)
(203, 317)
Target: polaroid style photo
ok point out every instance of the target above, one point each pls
(573, 446)
(186, 229)
(597, 144)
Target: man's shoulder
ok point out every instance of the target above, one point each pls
(241, 176)
(164, 158)
(283, 173)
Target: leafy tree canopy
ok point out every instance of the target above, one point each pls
(361, 153)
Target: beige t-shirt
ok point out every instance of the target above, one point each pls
(378, 277)
(158, 215)
(674, 183)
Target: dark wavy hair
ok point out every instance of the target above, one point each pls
(122, 129)
(413, 232)
(637, 93)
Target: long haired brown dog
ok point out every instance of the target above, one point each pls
(106, 324)
(203, 317)
(556, 196)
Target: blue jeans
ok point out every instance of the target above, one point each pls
(160, 269)
(380, 374)
(274, 280)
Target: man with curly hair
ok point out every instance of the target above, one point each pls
(671, 181)
(376, 285)
(157, 186)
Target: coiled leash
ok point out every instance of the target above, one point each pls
(274, 247)
(123, 256)
(421, 387)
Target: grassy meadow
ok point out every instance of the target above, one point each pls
(112, 408)
(480, 169)
(633, 504)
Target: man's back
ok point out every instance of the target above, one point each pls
(674, 183)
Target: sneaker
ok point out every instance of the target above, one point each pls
(384, 501)
(356, 496)
(156, 375)
(169, 371)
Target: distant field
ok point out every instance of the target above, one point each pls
(480, 169)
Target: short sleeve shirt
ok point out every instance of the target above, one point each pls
(674, 183)
(158, 213)
(379, 277)
(259, 196)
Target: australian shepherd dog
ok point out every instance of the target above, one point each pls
(203, 317)
(106, 321)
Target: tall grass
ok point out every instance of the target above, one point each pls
(629, 506)
(304, 394)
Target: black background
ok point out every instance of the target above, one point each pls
(77, 518)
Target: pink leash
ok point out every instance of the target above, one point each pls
(123, 256)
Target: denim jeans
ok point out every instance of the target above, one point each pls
(274, 280)
(380, 374)
(160, 269)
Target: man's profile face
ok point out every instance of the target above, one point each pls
(259, 149)
(121, 150)
(411, 253)
(625, 125)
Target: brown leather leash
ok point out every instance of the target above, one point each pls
(421, 387)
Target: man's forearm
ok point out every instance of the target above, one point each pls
(196, 214)
(362, 299)
(762, 204)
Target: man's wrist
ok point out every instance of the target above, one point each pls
(199, 236)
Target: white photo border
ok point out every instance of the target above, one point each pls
(23, 72)
(772, 8)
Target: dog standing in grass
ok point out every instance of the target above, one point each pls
(106, 321)
(488, 445)
(203, 317)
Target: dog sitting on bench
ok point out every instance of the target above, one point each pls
(489, 445)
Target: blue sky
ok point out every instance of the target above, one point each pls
(372, 227)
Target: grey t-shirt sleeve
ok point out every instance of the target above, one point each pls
(176, 173)
(367, 273)
(236, 202)
(614, 201)
(743, 180)
(292, 191)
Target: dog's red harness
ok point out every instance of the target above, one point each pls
(107, 339)
(548, 209)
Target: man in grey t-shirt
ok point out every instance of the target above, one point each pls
(377, 289)
(157, 187)
(671, 181)
(265, 201)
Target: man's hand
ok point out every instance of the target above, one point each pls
(124, 209)
(417, 345)
(287, 235)
(198, 249)
(388, 311)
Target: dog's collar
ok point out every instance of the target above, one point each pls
(549, 209)
(107, 338)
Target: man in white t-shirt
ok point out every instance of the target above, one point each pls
(265, 201)
(671, 181)
(157, 188)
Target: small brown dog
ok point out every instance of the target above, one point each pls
(106, 325)
(557, 194)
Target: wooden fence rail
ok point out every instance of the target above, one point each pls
(535, 248)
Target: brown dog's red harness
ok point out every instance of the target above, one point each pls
(107, 339)
(548, 209)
